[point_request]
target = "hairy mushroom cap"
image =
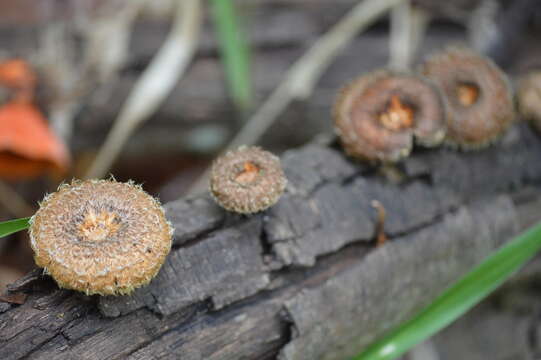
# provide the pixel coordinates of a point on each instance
(100, 236)
(378, 115)
(477, 95)
(247, 180)
(529, 98)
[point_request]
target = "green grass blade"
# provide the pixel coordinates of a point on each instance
(12, 226)
(459, 298)
(235, 54)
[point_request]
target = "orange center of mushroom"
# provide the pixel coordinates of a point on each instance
(98, 227)
(397, 116)
(248, 174)
(467, 94)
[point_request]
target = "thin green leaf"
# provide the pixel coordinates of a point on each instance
(12, 226)
(459, 298)
(235, 54)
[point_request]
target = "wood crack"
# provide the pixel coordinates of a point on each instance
(219, 297)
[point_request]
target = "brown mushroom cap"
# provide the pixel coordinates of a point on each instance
(247, 180)
(378, 115)
(100, 236)
(529, 98)
(477, 95)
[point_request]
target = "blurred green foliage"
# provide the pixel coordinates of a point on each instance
(459, 298)
(12, 226)
(234, 51)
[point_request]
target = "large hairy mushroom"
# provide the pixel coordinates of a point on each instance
(378, 116)
(100, 236)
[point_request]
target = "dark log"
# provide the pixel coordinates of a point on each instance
(303, 279)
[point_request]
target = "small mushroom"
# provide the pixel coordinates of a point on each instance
(529, 98)
(477, 96)
(378, 115)
(100, 236)
(247, 180)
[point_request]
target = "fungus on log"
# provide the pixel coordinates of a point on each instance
(378, 115)
(477, 93)
(261, 287)
(100, 236)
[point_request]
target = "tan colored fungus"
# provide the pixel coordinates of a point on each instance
(247, 180)
(529, 98)
(378, 115)
(100, 236)
(477, 95)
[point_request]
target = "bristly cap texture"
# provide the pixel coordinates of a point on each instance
(100, 236)
(529, 98)
(378, 115)
(247, 180)
(477, 94)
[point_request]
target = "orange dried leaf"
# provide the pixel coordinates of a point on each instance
(16, 73)
(27, 145)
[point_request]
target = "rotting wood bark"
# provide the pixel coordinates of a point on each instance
(302, 280)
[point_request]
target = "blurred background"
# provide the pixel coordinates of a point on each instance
(153, 90)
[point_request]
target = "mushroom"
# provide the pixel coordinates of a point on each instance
(378, 115)
(247, 180)
(529, 98)
(477, 96)
(100, 236)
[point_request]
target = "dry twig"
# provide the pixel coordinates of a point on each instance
(106, 39)
(300, 79)
(154, 85)
(408, 27)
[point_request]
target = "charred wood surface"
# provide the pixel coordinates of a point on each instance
(302, 280)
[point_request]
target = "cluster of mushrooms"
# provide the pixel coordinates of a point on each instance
(457, 97)
(108, 238)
